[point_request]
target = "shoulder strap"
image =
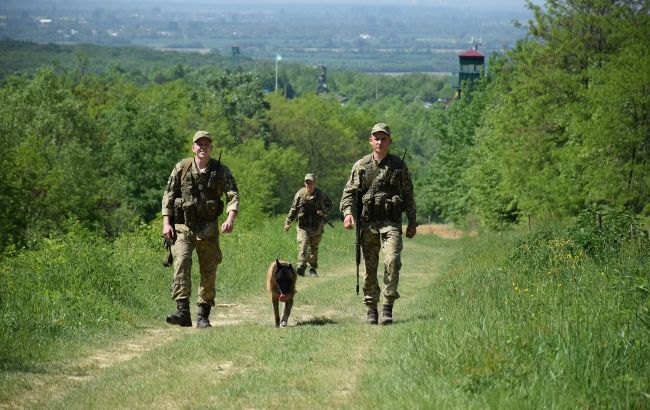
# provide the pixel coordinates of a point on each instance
(370, 175)
(187, 163)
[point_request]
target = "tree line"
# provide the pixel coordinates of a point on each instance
(561, 122)
(557, 125)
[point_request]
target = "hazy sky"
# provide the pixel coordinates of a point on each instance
(497, 4)
(478, 4)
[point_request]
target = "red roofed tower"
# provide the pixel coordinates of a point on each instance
(472, 63)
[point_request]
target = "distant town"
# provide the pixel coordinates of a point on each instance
(366, 38)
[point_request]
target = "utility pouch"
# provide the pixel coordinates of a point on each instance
(381, 199)
(179, 215)
(396, 177)
(191, 213)
(213, 209)
(396, 209)
(388, 208)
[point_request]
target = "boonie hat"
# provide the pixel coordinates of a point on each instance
(380, 127)
(310, 177)
(201, 134)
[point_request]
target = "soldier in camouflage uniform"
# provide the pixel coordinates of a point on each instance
(387, 191)
(190, 207)
(310, 206)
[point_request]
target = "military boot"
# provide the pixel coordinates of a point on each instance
(301, 270)
(372, 315)
(182, 316)
(202, 315)
(387, 314)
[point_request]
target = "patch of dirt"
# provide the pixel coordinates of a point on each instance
(442, 231)
(53, 387)
(130, 349)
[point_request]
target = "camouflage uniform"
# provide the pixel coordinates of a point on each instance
(310, 225)
(388, 191)
(194, 205)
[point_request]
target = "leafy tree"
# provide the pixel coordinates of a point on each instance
(239, 99)
(328, 138)
(617, 150)
(47, 164)
(442, 191)
(264, 176)
(143, 142)
(539, 143)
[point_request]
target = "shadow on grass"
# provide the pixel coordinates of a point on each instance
(317, 321)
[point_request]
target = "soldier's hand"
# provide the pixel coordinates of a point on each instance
(286, 227)
(228, 225)
(348, 222)
(168, 231)
(411, 231)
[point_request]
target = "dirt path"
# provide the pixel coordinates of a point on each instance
(45, 390)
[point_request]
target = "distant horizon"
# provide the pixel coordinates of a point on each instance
(463, 4)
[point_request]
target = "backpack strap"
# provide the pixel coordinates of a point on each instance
(187, 163)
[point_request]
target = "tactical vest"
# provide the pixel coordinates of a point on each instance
(307, 208)
(382, 189)
(200, 195)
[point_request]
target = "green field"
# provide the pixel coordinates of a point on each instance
(487, 321)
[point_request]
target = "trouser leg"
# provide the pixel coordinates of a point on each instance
(314, 242)
(303, 247)
(392, 246)
(209, 255)
(182, 281)
(370, 246)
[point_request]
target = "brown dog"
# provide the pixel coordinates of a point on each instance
(281, 283)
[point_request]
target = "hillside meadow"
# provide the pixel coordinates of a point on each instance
(554, 318)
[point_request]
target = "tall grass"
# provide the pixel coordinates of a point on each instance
(69, 287)
(78, 287)
(544, 320)
(558, 318)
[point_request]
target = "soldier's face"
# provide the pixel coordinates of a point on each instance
(380, 142)
(202, 147)
(310, 185)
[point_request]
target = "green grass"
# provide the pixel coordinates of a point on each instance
(523, 321)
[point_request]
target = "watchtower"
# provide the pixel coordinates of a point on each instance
(472, 63)
(234, 56)
(322, 81)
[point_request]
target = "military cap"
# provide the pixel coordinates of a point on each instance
(310, 177)
(380, 127)
(202, 134)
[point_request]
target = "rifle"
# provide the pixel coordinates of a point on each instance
(358, 204)
(219, 160)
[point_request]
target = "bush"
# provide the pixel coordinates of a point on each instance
(602, 231)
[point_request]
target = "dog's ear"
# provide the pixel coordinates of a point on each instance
(277, 263)
(291, 266)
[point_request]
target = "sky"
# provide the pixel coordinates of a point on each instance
(490, 4)
(478, 4)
